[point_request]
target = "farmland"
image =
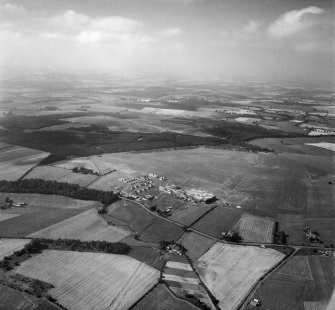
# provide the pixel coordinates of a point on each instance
(15, 300)
(230, 271)
(160, 298)
(196, 245)
(218, 221)
(254, 229)
(16, 161)
(86, 226)
(149, 228)
(304, 282)
(9, 246)
(41, 212)
(119, 281)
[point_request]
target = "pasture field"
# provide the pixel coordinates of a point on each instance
(218, 221)
(303, 282)
(86, 226)
(230, 271)
(146, 254)
(78, 178)
(196, 245)
(294, 228)
(16, 300)
(6, 216)
(48, 173)
(130, 215)
(253, 228)
(53, 173)
(50, 201)
(160, 298)
(189, 213)
(91, 281)
(9, 246)
(34, 218)
(15, 161)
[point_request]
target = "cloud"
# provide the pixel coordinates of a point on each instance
(251, 27)
(293, 21)
(52, 36)
(11, 8)
(170, 32)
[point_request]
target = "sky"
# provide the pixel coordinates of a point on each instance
(255, 39)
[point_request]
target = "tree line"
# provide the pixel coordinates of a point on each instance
(40, 186)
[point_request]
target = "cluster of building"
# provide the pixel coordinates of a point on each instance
(9, 203)
(188, 195)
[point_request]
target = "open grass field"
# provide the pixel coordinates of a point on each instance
(302, 283)
(160, 298)
(253, 228)
(230, 271)
(91, 281)
(11, 299)
(132, 216)
(196, 245)
(9, 246)
(16, 161)
(218, 221)
(86, 226)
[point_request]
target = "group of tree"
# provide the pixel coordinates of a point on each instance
(40, 186)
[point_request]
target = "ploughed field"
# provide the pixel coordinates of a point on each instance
(90, 280)
(230, 271)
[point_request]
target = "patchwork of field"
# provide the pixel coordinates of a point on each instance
(49, 201)
(218, 221)
(15, 161)
(16, 300)
(304, 282)
(160, 298)
(182, 280)
(86, 226)
(253, 228)
(52, 173)
(230, 271)
(40, 213)
(9, 246)
(132, 216)
(196, 245)
(90, 280)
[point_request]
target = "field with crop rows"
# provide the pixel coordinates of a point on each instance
(9, 246)
(16, 161)
(85, 281)
(255, 229)
(230, 271)
(86, 226)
